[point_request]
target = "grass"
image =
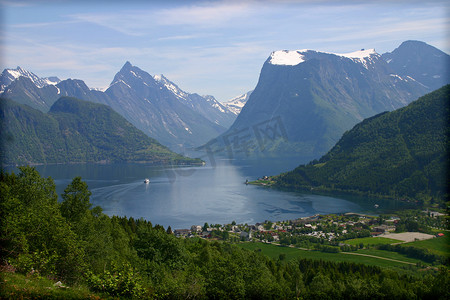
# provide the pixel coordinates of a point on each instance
(439, 245)
(391, 255)
(18, 286)
(371, 241)
(262, 182)
(274, 252)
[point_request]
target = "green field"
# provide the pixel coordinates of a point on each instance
(391, 255)
(439, 245)
(371, 241)
(274, 251)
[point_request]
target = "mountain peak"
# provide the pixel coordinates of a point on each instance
(413, 43)
(132, 77)
(425, 63)
(127, 66)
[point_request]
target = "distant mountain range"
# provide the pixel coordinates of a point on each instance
(305, 99)
(303, 102)
(153, 104)
(399, 154)
(236, 104)
(76, 131)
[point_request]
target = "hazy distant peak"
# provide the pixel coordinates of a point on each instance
(127, 65)
(9, 75)
(236, 104)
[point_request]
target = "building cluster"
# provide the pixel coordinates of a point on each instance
(330, 229)
(327, 227)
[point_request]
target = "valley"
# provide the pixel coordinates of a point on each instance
(332, 172)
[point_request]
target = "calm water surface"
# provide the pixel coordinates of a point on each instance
(214, 193)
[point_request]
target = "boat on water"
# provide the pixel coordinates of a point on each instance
(146, 180)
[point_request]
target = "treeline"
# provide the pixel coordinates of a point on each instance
(122, 257)
(399, 154)
(419, 253)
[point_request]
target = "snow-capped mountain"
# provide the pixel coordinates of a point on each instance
(23, 90)
(236, 104)
(9, 75)
(162, 110)
(305, 100)
(295, 57)
(153, 104)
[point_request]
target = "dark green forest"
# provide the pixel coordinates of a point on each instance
(401, 154)
(76, 131)
(71, 241)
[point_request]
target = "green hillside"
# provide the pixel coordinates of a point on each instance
(76, 131)
(400, 154)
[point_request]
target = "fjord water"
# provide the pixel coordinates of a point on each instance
(215, 193)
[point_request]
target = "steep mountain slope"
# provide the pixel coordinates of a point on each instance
(23, 90)
(76, 131)
(236, 104)
(157, 111)
(401, 153)
(305, 100)
(426, 64)
(207, 106)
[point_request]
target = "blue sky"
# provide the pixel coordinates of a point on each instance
(206, 47)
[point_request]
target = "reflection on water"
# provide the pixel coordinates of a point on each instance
(181, 197)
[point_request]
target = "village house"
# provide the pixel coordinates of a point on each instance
(383, 228)
(182, 232)
(245, 235)
(196, 228)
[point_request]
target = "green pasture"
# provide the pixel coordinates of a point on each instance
(371, 241)
(390, 255)
(274, 251)
(438, 245)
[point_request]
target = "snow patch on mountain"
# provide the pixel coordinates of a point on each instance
(236, 104)
(179, 93)
(362, 56)
(219, 107)
(120, 81)
(287, 58)
(295, 57)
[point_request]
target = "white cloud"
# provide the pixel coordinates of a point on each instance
(206, 14)
(179, 37)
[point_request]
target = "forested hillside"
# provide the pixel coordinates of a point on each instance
(76, 131)
(398, 154)
(76, 243)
